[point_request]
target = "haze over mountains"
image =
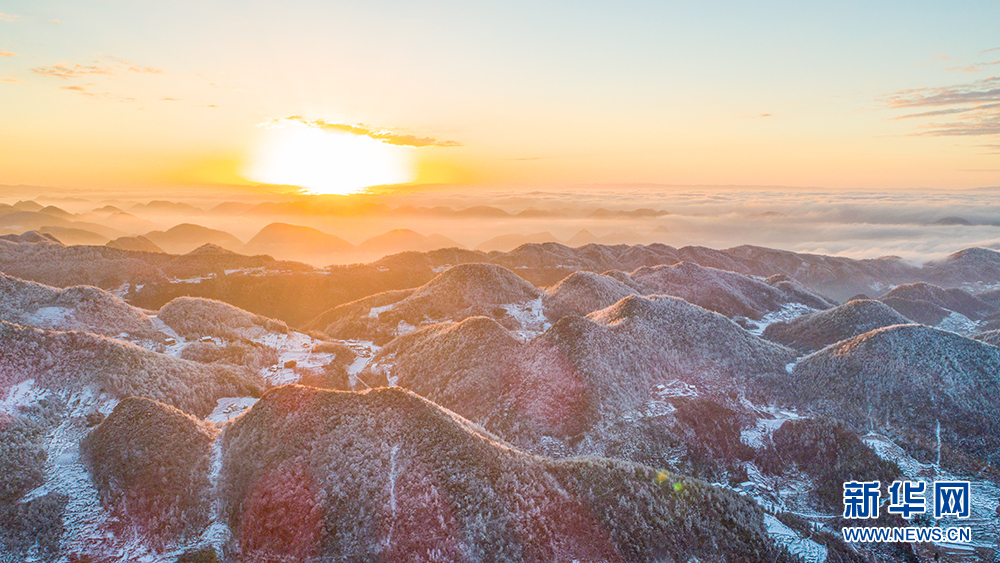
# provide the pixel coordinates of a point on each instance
(181, 393)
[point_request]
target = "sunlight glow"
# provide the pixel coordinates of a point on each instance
(325, 162)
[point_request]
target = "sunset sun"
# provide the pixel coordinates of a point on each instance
(325, 162)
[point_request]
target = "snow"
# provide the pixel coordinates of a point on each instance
(22, 395)
(958, 323)
(196, 279)
(983, 494)
(85, 520)
(754, 437)
(228, 408)
(178, 341)
(376, 311)
(392, 491)
(807, 549)
(258, 271)
(787, 313)
(49, 316)
(296, 347)
(530, 316)
(218, 532)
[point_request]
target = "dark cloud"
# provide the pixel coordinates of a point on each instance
(975, 107)
(379, 135)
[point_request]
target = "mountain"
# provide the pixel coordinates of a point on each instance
(581, 370)
(31, 237)
(136, 243)
(581, 238)
(21, 221)
(150, 465)
(231, 208)
(991, 337)
(69, 235)
(28, 206)
(955, 300)
(966, 266)
(459, 292)
(923, 312)
(906, 379)
(38, 257)
(57, 212)
(282, 238)
(724, 292)
(70, 362)
(509, 242)
(401, 240)
(951, 221)
(814, 331)
(582, 293)
(194, 317)
(186, 237)
(166, 207)
(387, 475)
(835, 276)
(81, 308)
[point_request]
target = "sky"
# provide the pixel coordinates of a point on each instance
(335, 96)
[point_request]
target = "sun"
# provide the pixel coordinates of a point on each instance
(327, 162)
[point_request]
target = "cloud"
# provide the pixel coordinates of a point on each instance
(67, 71)
(377, 134)
(7, 54)
(9, 80)
(975, 107)
(975, 67)
(84, 91)
(758, 116)
(8, 17)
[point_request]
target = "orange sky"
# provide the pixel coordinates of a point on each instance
(120, 94)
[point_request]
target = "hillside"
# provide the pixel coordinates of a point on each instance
(186, 237)
(150, 464)
(724, 292)
(71, 362)
(138, 243)
(80, 308)
(582, 293)
(460, 292)
(282, 240)
(40, 258)
(814, 331)
(387, 475)
(194, 317)
(906, 379)
(581, 370)
(955, 300)
(403, 240)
